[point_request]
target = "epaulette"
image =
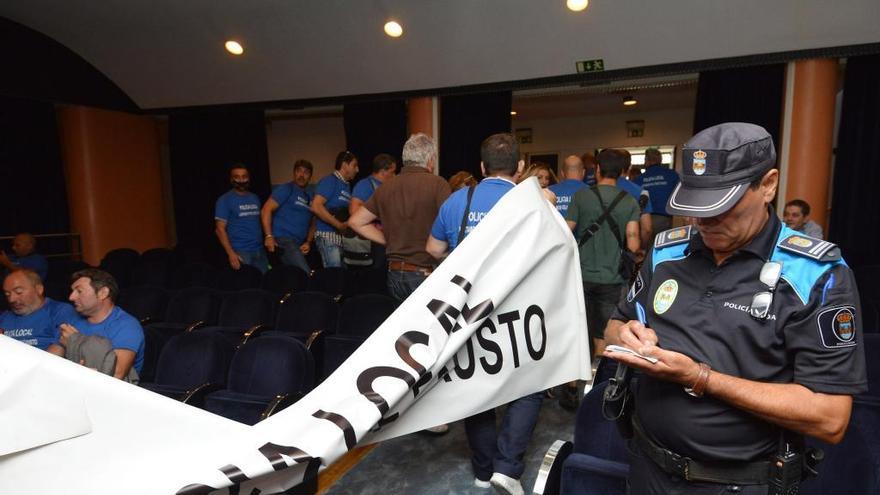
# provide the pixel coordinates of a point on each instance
(674, 236)
(810, 247)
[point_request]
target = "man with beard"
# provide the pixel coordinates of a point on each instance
(287, 218)
(237, 222)
(32, 318)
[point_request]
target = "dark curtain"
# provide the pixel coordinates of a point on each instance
(747, 94)
(855, 223)
(34, 195)
(372, 128)
(465, 121)
(202, 145)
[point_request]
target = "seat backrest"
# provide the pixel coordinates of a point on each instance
(119, 263)
(361, 315)
(365, 281)
(272, 365)
(306, 312)
(193, 304)
(246, 277)
(122, 255)
(246, 308)
(144, 302)
(283, 279)
(161, 255)
(60, 270)
(155, 273)
(595, 435)
(330, 281)
(194, 275)
(193, 358)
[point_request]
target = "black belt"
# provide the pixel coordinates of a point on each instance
(738, 473)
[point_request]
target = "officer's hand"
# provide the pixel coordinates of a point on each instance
(635, 335)
(671, 366)
(270, 244)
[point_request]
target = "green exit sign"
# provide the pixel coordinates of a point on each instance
(597, 65)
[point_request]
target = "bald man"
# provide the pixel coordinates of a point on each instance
(33, 318)
(573, 181)
(23, 247)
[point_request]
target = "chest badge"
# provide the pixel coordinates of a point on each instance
(665, 296)
(699, 165)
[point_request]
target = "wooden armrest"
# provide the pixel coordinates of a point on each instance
(196, 396)
(279, 403)
(312, 337)
(249, 332)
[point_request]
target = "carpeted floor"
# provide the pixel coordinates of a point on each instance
(429, 465)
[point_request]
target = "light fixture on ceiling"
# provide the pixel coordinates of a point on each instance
(513, 112)
(393, 29)
(577, 5)
(629, 101)
(234, 47)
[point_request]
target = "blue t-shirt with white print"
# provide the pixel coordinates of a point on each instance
(564, 191)
(659, 181)
(39, 328)
(448, 221)
(365, 188)
(337, 192)
(241, 212)
(291, 219)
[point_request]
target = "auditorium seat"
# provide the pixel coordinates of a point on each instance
(189, 308)
(119, 263)
(284, 279)
(330, 281)
(155, 273)
(146, 303)
(244, 312)
(267, 374)
(365, 281)
(246, 277)
(59, 291)
(359, 317)
(160, 255)
(195, 274)
(60, 270)
(191, 365)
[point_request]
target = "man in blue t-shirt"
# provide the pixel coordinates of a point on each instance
(641, 196)
(287, 218)
(573, 181)
(497, 456)
(23, 247)
(659, 181)
(237, 222)
(330, 205)
(589, 161)
(32, 318)
(93, 295)
(384, 168)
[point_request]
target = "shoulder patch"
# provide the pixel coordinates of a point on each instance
(810, 247)
(672, 237)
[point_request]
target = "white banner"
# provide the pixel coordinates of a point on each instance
(502, 317)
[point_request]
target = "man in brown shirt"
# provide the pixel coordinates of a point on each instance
(406, 205)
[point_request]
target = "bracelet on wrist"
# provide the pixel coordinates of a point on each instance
(699, 386)
(269, 236)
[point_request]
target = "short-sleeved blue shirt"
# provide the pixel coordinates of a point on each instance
(39, 328)
(564, 191)
(337, 192)
(291, 219)
(365, 188)
(636, 192)
(121, 329)
(241, 212)
(33, 261)
(659, 181)
(448, 221)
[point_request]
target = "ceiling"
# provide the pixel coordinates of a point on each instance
(169, 53)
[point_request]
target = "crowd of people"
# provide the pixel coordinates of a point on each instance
(717, 256)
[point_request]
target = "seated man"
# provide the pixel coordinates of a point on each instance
(93, 294)
(797, 216)
(32, 318)
(23, 246)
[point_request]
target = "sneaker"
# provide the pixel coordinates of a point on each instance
(438, 430)
(506, 485)
(482, 484)
(568, 398)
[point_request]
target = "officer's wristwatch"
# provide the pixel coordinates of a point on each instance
(699, 386)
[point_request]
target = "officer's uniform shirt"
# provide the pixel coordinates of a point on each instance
(564, 191)
(812, 336)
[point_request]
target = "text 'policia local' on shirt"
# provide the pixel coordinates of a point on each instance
(659, 181)
(241, 212)
(564, 191)
(337, 192)
(291, 220)
(39, 328)
(448, 221)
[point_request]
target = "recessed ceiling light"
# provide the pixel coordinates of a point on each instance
(393, 29)
(629, 101)
(234, 47)
(513, 112)
(577, 5)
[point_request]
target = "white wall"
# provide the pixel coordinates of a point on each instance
(576, 135)
(317, 139)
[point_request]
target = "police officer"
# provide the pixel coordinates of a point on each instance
(755, 329)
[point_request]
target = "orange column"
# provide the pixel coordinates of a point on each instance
(808, 174)
(114, 181)
(420, 116)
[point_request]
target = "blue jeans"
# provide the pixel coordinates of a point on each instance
(503, 452)
(256, 258)
(292, 255)
(401, 284)
(331, 253)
